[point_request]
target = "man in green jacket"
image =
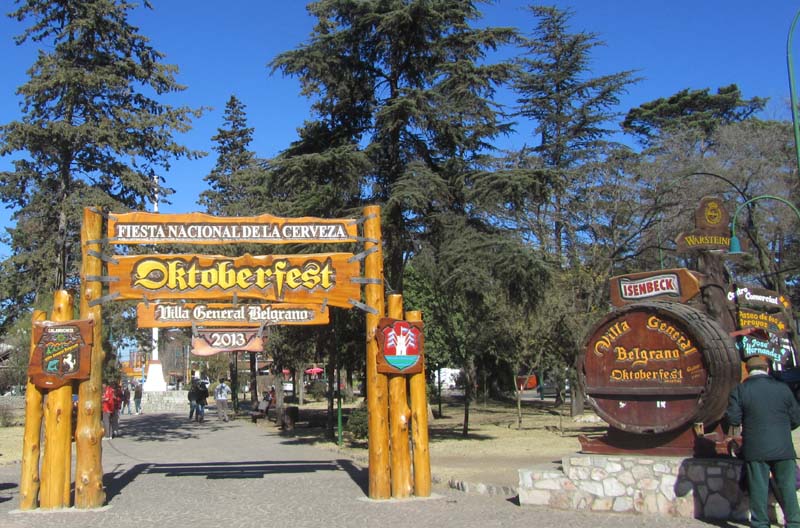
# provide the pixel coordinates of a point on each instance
(767, 411)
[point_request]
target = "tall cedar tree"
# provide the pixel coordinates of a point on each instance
(407, 81)
(92, 134)
(572, 112)
(571, 109)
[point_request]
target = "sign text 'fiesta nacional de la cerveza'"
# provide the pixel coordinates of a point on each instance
(199, 228)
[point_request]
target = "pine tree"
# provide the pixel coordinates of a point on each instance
(92, 133)
(236, 164)
(690, 109)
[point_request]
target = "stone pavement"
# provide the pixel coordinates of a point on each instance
(167, 471)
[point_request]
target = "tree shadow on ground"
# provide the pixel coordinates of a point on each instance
(162, 427)
(6, 486)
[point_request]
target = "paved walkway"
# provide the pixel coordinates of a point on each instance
(167, 471)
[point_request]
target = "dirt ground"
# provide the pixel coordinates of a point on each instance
(496, 446)
(492, 452)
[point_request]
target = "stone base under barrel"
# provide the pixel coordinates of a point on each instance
(703, 488)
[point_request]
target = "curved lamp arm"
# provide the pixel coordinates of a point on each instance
(735, 246)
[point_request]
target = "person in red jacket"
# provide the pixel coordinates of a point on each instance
(117, 409)
(109, 406)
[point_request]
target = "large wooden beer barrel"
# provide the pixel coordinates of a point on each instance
(658, 367)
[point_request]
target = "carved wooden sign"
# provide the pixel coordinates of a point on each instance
(199, 228)
(711, 232)
(757, 344)
(400, 346)
(210, 341)
(175, 315)
(772, 323)
(759, 298)
(62, 353)
(679, 285)
(644, 370)
(711, 215)
(312, 278)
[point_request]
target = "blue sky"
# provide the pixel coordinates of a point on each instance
(222, 49)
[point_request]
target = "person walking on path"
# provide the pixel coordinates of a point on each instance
(202, 401)
(192, 399)
(108, 409)
(137, 397)
(221, 394)
(767, 411)
(126, 399)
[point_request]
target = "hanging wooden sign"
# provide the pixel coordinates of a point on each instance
(679, 285)
(176, 315)
(711, 232)
(199, 228)
(752, 342)
(711, 215)
(759, 298)
(773, 323)
(312, 278)
(62, 353)
(208, 342)
(400, 346)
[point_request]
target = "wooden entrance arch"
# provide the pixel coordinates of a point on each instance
(328, 279)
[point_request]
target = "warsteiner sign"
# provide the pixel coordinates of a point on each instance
(313, 278)
(172, 315)
(62, 353)
(199, 228)
(711, 232)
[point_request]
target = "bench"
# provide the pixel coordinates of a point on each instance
(260, 412)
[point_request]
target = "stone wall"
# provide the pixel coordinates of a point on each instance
(174, 400)
(681, 487)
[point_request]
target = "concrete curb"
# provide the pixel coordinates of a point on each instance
(492, 490)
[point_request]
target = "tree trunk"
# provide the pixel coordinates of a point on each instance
(330, 373)
(253, 380)
(715, 290)
(234, 368)
(469, 389)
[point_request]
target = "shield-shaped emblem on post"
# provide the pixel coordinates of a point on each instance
(400, 345)
(62, 352)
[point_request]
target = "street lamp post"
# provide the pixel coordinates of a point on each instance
(792, 90)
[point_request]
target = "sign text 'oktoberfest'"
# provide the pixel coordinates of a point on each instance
(314, 278)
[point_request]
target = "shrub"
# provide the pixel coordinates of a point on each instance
(358, 422)
(318, 389)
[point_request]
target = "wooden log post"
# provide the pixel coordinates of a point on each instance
(31, 440)
(57, 460)
(377, 384)
(419, 424)
(399, 417)
(89, 492)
